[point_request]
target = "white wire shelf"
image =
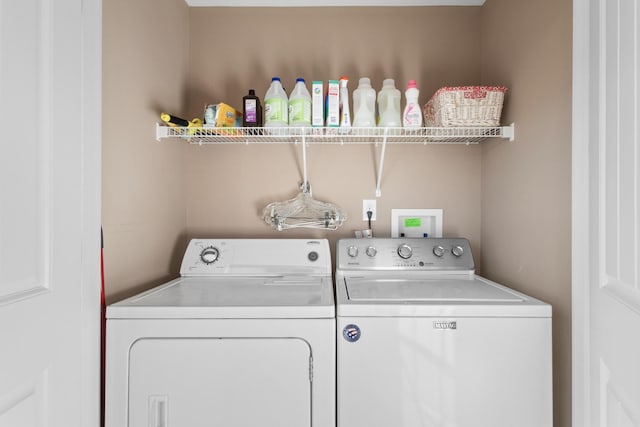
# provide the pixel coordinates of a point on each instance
(324, 135)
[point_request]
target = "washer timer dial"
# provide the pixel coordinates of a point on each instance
(352, 251)
(405, 251)
(209, 255)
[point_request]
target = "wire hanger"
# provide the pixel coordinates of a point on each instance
(303, 211)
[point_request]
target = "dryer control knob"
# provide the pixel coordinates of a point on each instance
(209, 255)
(371, 251)
(438, 251)
(405, 251)
(457, 251)
(352, 251)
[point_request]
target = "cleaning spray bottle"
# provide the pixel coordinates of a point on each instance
(345, 117)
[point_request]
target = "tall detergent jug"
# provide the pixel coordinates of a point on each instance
(412, 115)
(276, 108)
(300, 105)
(389, 104)
(364, 104)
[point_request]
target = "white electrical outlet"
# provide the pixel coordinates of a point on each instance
(368, 205)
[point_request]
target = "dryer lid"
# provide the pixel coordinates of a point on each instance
(282, 297)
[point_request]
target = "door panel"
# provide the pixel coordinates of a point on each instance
(24, 173)
(202, 382)
(618, 146)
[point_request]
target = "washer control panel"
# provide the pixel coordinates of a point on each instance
(434, 254)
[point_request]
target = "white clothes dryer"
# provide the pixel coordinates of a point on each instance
(245, 337)
(425, 342)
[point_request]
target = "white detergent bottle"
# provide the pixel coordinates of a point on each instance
(364, 104)
(412, 115)
(300, 105)
(276, 105)
(389, 104)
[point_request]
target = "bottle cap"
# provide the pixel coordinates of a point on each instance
(412, 84)
(364, 81)
(252, 92)
(300, 79)
(275, 78)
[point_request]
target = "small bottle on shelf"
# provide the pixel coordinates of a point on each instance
(412, 116)
(251, 110)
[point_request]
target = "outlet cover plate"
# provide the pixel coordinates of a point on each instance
(368, 205)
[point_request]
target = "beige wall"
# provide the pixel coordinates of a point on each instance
(512, 200)
(144, 68)
(235, 49)
(526, 185)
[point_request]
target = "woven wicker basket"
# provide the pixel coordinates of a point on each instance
(465, 106)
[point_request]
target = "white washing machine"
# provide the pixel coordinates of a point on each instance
(245, 337)
(424, 342)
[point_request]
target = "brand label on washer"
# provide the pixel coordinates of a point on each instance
(444, 324)
(351, 333)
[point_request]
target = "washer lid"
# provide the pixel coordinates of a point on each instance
(280, 297)
(428, 289)
(460, 295)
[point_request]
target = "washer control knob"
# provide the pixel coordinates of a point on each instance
(209, 255)
(352, 251)
(457, 251)
(438, 251)
(371, 251)
(405, 251)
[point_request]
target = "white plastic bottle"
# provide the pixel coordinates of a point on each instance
(276, 108)
(345, 116)
(364, 104)
(389, 104)
(412, 115)
(300, 105)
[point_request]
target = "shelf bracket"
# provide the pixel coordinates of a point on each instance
(509, 132)
(382, 153)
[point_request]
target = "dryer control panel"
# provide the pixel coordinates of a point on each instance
(257, 257)
(419, 254)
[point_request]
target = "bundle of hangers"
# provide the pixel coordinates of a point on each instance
(303, 211)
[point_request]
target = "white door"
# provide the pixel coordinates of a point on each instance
(606, 213)
(49, 212)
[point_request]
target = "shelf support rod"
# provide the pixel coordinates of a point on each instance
(382, 153)
(305, 183)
